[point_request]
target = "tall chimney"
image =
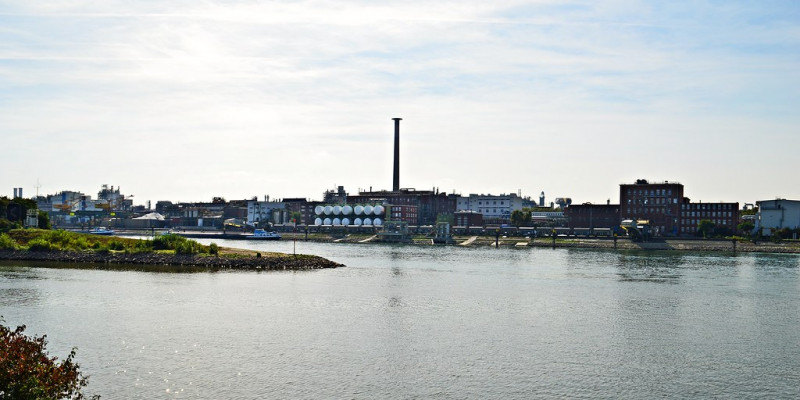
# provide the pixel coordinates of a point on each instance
(396, 183)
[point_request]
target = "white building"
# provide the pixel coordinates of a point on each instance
(777, 214)
(492, 207)
(261, 211)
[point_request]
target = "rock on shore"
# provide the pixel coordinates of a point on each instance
(301, 262)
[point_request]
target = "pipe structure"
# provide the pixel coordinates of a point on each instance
(396, 182)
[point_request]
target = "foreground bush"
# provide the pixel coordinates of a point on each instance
(27, 372)
(7, 243)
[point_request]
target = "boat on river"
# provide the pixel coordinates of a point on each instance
(260, 234)
(101, 231)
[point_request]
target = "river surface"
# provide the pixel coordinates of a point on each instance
(424, 322)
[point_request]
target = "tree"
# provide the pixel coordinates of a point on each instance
(705, 227)
(43, 220)
(520, 218)
(746, 227)
(28, 372)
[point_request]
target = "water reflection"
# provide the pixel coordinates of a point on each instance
(19, 296)
(636, 266)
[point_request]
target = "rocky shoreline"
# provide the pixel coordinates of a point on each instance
(245, 262)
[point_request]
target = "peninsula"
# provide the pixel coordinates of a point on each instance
(164, 250)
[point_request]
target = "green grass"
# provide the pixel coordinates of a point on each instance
(47, 240)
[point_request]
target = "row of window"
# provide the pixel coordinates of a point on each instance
(690, 224)
(710, 206)
(653, 200)
(706, 214)
(651, 192)
(649, 211)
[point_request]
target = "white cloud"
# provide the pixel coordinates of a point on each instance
(559, 94)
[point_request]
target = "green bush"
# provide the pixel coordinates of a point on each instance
(116, 245)
(213, 249)
(180, 244)
(40, 244)
(6, 225)
(188, 247)
(7, 243)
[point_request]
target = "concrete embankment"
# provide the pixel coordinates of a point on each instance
(673, 244)
(683, 244)
(286, 262)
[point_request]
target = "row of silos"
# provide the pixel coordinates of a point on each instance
(359, 210)
(346, 221)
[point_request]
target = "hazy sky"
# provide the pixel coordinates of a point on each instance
(185, 100)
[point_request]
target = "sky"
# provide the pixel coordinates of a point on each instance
(186, 100)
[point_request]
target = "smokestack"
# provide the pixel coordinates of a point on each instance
(396, 183)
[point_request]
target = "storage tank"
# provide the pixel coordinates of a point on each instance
(347, 210)
(358, 222)
(359, 210)
(318, 210)
(367, 210)
(327, 221)
(377, 222)
(337, 221)
(337, 210)
(328, 210)
(377, 210)
(367, 221)
(318, 221)
(345, 221)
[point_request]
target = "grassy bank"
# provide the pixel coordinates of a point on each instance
(40, 240)
(74, 247)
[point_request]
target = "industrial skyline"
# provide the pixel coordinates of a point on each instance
(186, 101)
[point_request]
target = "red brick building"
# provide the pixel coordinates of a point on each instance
(468, 218)
(725, 216)
(429, 203)
(592, 215)
(404, 213)
(658, 202)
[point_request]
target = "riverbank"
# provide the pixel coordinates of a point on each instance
(164, 250)
(228, 259)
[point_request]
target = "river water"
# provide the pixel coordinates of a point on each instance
(405, 322)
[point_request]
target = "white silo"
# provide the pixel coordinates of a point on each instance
(347, 210)
(327, 221)
(377, 222)
(337, 210)
(328, 210)
(318, 221)
(337, 221)
(367, 221)
(377, 210)
(358, 222)
(345, 221)
(359, 210)
(318, 210)
(367, 210)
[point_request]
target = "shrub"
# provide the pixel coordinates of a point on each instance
(7, 243)
(116, 245)
(40, 244)
(28, 372)
(213, 249)
(180, 244)
(6, 225)
(188, 247)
